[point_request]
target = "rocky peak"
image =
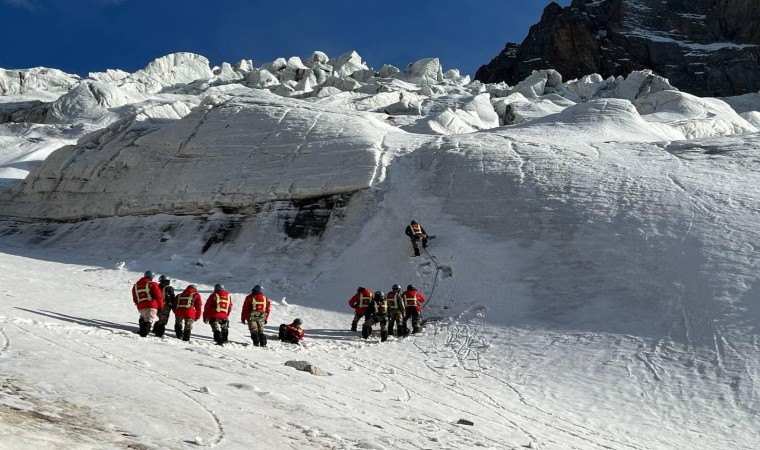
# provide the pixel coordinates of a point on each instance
(704, 47)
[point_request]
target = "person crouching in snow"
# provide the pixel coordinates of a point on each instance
(256, 314)
(148, 298)
(217, 313)
(186, 311)
(292, 333)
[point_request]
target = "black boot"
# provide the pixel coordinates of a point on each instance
(262, 339)
(255, 339)
(218, 338)
(281, 333)
(178, 331)
(383, 336)
(353, 326)
(366, 331)
(186, 335)
(416, 252)
(225, 334)
(159, 329)
(144, 328)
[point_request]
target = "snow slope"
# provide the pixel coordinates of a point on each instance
(592, 282)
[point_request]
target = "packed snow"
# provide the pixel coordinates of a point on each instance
(592, 282)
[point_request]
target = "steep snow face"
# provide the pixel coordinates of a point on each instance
(227, 153)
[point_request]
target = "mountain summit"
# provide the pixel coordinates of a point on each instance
(705, 48)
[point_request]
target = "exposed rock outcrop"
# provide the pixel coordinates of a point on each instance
(706, 48)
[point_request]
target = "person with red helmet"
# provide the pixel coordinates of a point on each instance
(148, 299)
(413, 306)
(256, 314)
(217, 313)
(417, 235)
(187, 309)
(360, 302)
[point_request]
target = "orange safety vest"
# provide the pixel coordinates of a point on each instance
(394, 302)
(142, 293)
(364, 300)
(410, 300)
(223, 304)
(416, 229)
(185, 301)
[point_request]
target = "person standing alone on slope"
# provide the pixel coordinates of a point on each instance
(148, 298)
(256, 314)
(417, 235)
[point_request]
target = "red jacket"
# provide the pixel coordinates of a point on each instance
(147, 294)
(361, 301)
(295, 331)
(412, 299)
(218, 306)
(256, 303)
(188, 304)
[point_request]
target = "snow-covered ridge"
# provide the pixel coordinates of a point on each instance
(261, 131)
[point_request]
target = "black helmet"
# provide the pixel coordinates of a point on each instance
(378, 293)
(149, 274)
(297, 322)
(396, 288)
(164, 279)
(410, 288)
(218, 287)
(257, 289)
(359, 289)
(191, 286)
(414, 222)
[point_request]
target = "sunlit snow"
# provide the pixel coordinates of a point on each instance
(592, 282)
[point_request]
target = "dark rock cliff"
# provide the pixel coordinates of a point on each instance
(704, 47)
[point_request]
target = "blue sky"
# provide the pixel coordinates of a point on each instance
(81, 36)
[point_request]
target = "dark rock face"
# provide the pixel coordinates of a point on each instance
(704, 47)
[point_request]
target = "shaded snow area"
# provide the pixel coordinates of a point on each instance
(592, 281)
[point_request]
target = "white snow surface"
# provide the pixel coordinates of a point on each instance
(592, 283)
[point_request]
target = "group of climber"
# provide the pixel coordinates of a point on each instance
(394, 309)
(152, 299)
(159, 300)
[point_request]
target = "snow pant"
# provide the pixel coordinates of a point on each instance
(163, 318)
(256, 327)
(412, 313)
(416, 241)
(183, 326)
(355, 322)
(395, 317)
(285, 336)
(147, 315)
(371, 320)
(221, 329)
